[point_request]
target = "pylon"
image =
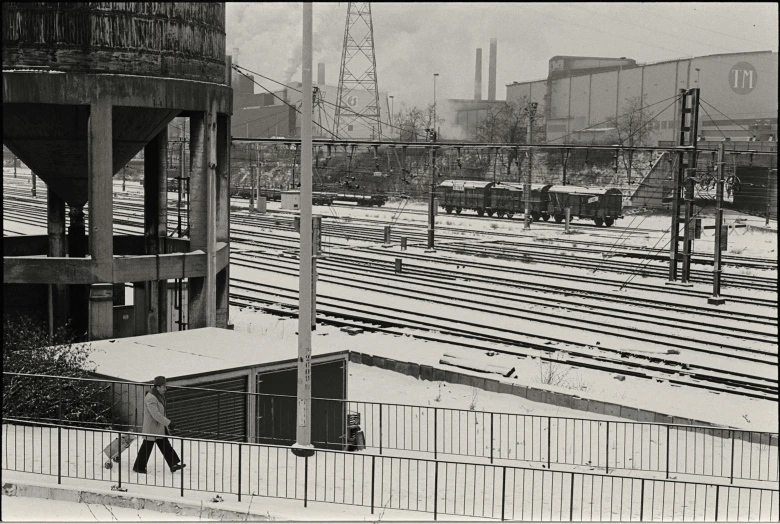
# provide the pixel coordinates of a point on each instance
(355, 113)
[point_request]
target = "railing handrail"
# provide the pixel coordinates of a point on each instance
(551, 417)
(371, 455)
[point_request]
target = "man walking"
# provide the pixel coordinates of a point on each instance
(155, 426)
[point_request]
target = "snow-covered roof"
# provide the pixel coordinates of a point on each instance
(577, 190)
(186, 353)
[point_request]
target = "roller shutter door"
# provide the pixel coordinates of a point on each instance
(217, 415)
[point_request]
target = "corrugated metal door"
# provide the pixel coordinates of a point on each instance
(276, 407)
(210, 414)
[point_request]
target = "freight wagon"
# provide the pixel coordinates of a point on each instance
(601, 205)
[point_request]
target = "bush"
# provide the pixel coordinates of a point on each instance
(28, 348)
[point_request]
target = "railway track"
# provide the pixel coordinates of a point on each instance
(379, 318)
(20, 210)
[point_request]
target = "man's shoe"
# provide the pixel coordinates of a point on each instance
(140, 471)
(177, 467)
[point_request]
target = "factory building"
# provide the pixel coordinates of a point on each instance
(580, 94)
(265, 115)
(739, 93)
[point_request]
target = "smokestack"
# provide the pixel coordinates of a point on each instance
(478, 77)
(235, 56)
(492, 70)
(321, 74)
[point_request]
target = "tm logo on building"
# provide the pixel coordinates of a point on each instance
(743, 78)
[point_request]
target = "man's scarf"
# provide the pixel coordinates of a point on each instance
(160, 397)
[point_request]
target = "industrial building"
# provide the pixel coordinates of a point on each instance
(269, 114)
(580, 95)
(80, 99)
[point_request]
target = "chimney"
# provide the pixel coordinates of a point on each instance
(478, 77)
(321, 74)
(235, 56)
(492, 70)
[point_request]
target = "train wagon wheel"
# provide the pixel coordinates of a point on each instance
(490, 212)
(598, 221)
(559, 219)
(458, 210)
(609, 221)
(500, 213)
(509, 214)
(536, 215)
(545, 217)
(448, 209)
(480, 212)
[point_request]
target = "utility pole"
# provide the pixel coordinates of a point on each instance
(124, 178)
(303, 446)
(689, 121)
(34, 191)
(716, 299)
(432, 203)
(531, 111)
(14, 166)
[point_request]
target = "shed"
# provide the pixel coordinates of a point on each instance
(225, 385)
(291, 199)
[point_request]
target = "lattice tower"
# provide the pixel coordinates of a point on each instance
(358, 93)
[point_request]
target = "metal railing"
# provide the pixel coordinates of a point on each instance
(381, 482)
(668, 449)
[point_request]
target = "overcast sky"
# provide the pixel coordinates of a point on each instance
(415, 40)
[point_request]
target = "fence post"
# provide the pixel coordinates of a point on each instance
(59, 398)
(642, 502)
(219, 409)
(549, 442)
(435, 490)
(305, 481)
(503, 492)
(717, 500)
(373, 481)
(239, 472)
(435, 432)
(181, 450)
(380, 429)
(119, 443)
(606, 464)
(732, 456)
(491, 439)
(667, 451)
(59, 455)
(571, 499)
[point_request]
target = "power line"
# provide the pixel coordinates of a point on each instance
(260, 118)
(278, 98)
(325, 101)
(721, 112)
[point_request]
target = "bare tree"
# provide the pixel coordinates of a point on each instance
(632, 128)
(412, 123)
(508, 124)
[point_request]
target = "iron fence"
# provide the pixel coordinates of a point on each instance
(668, 449)
(382, 482)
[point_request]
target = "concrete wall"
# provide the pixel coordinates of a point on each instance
(489, 383)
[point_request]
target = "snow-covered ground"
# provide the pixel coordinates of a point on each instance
(29, 509)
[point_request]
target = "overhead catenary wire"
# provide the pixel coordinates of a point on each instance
(343, 108)
(278, 98)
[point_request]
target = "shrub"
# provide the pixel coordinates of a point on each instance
(28, 348)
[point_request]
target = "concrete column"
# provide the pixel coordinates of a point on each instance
(58, 294)
(78, 293)
(203, 154)
(155, 228)
(223, 215)
(101, 234)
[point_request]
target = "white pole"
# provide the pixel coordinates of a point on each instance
(302, 446)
